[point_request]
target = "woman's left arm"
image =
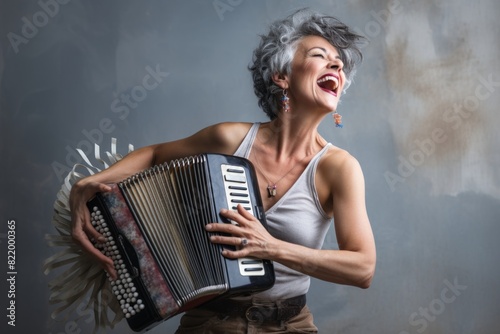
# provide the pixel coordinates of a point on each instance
(352, 264)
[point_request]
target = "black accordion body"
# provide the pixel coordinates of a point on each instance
(154, 225)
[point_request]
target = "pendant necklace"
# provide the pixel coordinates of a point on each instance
(272, 187)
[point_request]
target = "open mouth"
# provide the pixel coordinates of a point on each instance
(329, 83)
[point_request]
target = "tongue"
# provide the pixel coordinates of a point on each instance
(326, 85)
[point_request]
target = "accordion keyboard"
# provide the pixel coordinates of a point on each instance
(123, 287)
(237, 192)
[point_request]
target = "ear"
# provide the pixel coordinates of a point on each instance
(281, 80)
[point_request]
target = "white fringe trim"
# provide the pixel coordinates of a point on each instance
(82, 287)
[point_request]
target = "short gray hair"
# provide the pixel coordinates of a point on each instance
(276, 51)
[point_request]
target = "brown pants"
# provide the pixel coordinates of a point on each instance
(199, 321)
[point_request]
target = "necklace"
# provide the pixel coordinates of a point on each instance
(272, 187)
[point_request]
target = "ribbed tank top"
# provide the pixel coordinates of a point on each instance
(297, 218)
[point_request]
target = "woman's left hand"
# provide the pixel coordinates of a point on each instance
(259, 243)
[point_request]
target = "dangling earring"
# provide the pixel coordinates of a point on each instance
(285, 104)
(338, 120)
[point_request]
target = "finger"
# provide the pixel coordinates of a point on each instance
(105, 262)
(102, 187)
(82, 222)
(234, 254)
(223, 228)
(96, 187)
(92, 232)
(226, 240)
(234, 216)
(83, 237)
(244, 212)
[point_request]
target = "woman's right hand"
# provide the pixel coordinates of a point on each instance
(82, 230)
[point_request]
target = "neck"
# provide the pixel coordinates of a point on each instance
(290, 137)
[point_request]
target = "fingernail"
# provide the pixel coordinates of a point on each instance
(208, 227)
(101, 239)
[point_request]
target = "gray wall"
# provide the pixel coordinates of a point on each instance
(420, 118)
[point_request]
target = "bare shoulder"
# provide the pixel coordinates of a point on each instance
(218, 138)
(339, 168)
(228, 135)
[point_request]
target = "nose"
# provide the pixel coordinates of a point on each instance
(336, 65)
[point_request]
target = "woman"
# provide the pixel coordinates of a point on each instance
(300, 69)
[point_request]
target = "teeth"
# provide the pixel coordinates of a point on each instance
(330, 78)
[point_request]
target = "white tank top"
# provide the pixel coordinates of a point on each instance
(297, 218)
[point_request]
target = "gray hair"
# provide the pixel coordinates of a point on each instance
(276, 51)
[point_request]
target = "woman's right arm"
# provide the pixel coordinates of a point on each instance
(83, 190)
(221, 138)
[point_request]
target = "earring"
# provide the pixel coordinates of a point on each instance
(338, 120)
(285, 104)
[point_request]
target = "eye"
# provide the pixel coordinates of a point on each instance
(320, 55)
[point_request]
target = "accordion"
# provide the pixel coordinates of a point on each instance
(154, 226)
